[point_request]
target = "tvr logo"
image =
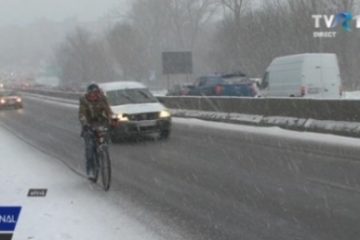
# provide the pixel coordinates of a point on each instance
(345, 19)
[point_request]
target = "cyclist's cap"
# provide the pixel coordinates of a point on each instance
(93, 87)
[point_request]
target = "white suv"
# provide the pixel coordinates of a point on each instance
(135, 110)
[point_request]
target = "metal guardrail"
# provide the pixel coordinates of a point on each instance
(320, 109)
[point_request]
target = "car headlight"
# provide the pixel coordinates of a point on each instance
(2, 101)
(18, 100)
(121, 118)
(165, 114)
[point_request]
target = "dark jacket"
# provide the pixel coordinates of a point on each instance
(94, 112)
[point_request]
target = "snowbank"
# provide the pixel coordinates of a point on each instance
(273, 132)
(324, 126)
(73, 207)
(352, 95)
(159, 93)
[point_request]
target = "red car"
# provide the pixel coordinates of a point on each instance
(10, 99)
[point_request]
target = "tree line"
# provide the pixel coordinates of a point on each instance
(223, 35)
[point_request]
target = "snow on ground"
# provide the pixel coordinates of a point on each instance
(272, 131)
(302, 124)
(352, 95)
(159, 93)
(73, 207)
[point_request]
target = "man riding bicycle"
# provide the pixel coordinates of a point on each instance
(94, 109)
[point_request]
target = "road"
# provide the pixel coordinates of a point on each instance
(217, 183)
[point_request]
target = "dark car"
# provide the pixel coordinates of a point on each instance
(224, 85)
(10, 99)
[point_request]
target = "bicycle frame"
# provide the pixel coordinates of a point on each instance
(101, 159)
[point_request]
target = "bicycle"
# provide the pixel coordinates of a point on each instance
(101, 156)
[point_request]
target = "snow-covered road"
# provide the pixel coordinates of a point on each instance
(210, 180)
(73, 208)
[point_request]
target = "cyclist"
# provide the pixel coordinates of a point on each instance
(94, 109)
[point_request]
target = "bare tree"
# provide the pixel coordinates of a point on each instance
(250, 38)
(246, 38)
(81, 60)
(188, 18)
(168, 25)
(129, 50)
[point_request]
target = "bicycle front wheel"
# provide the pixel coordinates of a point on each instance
(105, 165)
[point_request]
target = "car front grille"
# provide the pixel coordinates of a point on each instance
(143, 116)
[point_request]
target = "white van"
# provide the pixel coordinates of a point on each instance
(312, 75)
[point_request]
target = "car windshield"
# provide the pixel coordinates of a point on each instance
(130, 96)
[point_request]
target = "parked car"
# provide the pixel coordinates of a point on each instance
(224, 85)
(314, 75)
(10, 99)
(136, 111)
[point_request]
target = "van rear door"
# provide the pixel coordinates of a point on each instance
(313, 78)
(322, 77)
(331, 77)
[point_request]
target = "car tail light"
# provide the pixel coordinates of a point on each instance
(253, 90)
(303, 91)
(219, 90)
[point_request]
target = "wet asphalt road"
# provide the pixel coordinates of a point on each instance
(217, 184)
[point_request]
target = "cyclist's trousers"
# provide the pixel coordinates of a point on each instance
(89, 150)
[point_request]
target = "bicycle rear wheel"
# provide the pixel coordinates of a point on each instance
(105, 166)
(96, 168)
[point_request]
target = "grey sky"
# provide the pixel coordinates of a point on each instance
(27, 11)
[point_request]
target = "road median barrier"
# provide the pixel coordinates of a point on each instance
(341, 117)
